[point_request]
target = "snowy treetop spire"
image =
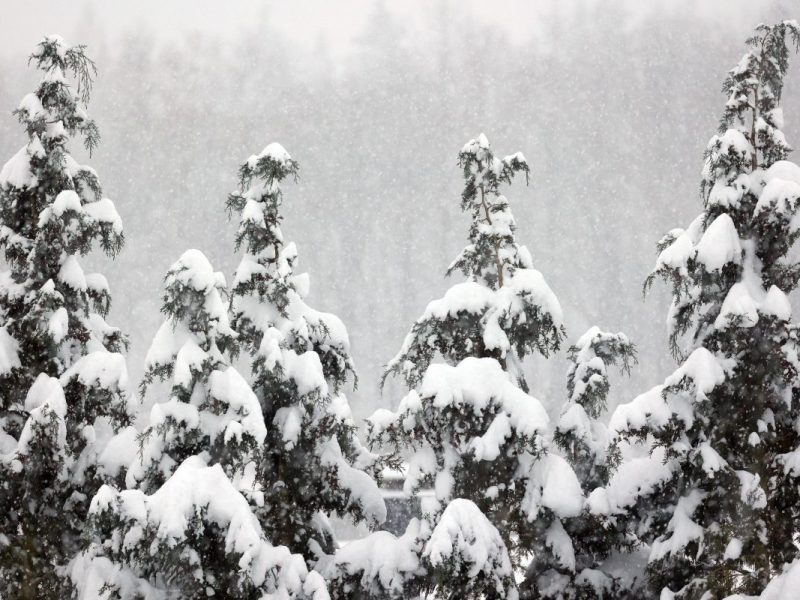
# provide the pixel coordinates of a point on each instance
(312, 462)
(580, 433)
(493, 252)
(587, 377)
(211, 408)
(734, 238)
(51, 212)
(259, 199)
(754, 88)
(267, 296)
(505, 310)
(56, 58)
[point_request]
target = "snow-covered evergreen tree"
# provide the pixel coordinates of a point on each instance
(469, 428)
(62, 380)
(583, 439)
(186, 526)
(580, 432)
(381, 566)
(211, 409)
(312, 463)
(505, 310)
(463, 556)
(718, 501)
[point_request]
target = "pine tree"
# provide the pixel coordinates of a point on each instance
(471, 430)
(187, 526)
(312, 463)
(721, 512)
(62, 380)
(583, 438)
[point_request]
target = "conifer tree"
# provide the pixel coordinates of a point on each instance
(580, 432)
(463, 556)
(505, 310)
(187, 526)
(721, 514)
(211, 409)
(583, 439)
(469, 428)
(62, 380)
(312, 463)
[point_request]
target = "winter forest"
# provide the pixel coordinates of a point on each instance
(400, 300)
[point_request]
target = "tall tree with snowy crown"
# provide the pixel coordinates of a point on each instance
(312, 463)
(721, 510)
(469, 428)
(62, 380)
(505, 310)
(186, 526)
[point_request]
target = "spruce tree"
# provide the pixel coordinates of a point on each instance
(187, 526)
(312, 464)
(469, 428)
(722, 513)
(583, 439)
(62, 380)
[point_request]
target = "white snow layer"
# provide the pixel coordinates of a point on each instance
(9, 352)
(45, 401)
(720, 244)
(551, 483)
(381, 560)
(465, 536)
(196, 487)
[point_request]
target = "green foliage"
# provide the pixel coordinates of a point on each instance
(53, 316)
(725, 420)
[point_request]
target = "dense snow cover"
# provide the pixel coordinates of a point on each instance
(693, 380)
(47, 408)
(719, 245)
(498, 312)
(17, 171)
(210, 400)
(169, 517)
(9, 352)
(476, 388)
(101, 369)
(551, 483)
(635, 477)
(466, 544)
(380, 562)
(681, 528)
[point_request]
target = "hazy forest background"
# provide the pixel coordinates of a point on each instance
(612, 104)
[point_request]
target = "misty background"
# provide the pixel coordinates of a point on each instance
(612, 103)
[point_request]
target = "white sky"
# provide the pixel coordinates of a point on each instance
(338, 22)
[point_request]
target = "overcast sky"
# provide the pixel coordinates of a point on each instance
(337, 22)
